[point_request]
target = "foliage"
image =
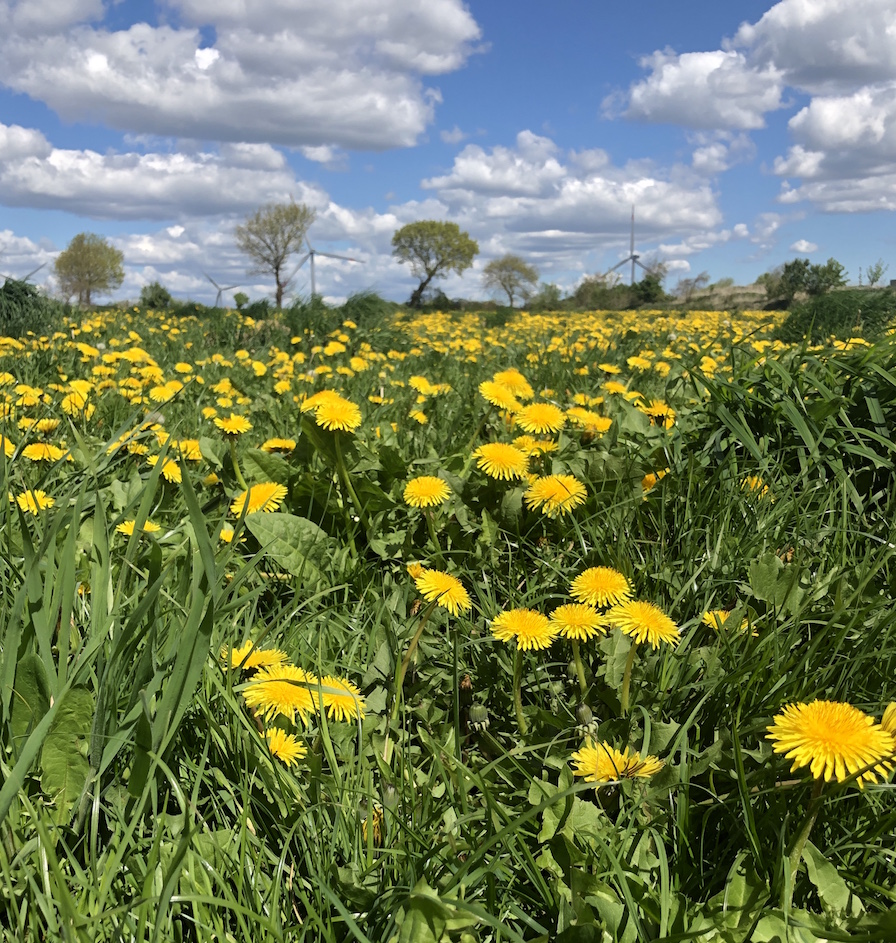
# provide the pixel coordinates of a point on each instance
(24, 310)
(842, 314)
(510, 274)
(875, 272)
(549, 297)
(240, 299)
(270, 236)
(720, 470)
(433, 248)
(687, 287)
(784, 283)
(89, 265)
(823, 278)
(155, 296)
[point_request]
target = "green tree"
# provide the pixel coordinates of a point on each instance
(271, 235)
(822, 278)
(510, 274)
(433, 248)
(875, 273)
(88, 266)
(155, 296)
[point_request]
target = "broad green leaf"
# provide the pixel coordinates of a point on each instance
(297, 544)
(832, 889)
(63, 758)
(259, 466)
(764, 572)
(30, 698)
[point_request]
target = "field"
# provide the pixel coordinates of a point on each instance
(442, 628)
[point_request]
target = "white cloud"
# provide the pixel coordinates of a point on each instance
(718, 89)
(345, 73)
(719, 151)
(803, 245)
(454, 136)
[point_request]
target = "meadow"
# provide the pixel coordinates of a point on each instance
(447, 627)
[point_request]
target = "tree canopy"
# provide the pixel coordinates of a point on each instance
(88, 266)
(270, 235)
(510, 274)
(433, 248)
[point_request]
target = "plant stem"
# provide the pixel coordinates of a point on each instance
(433, 536)
(236, 465)
(580, 668)
(627, 677)
(517, 694)
(799, 843)
(345, 480)
(402, 671)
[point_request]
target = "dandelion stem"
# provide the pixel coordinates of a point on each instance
(433, 536)
(517, 692)
(236, 465)
(799, 843)
(580, 668)
(346, 481)
(402, 671)
(627, 677)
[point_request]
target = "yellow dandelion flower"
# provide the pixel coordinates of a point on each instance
(33, 502)
(754, 485)
(502, 461)
(499, 395)
(43, 452)
(341, 699)
(47, 426)
(338, 414)
(127, 527)
(556, 494)
(718, 619)
(249, 658)
(529, 629)
(888, 721)
(170, 469)
(514, 381)
(189, 449)
(644, 622)
(648, 482)
(591, 422)
(601, 586)
(426, 491)
(418, 416)
(233, 424)
(282, 689)
(444, 589)
(578, 621)
(278, 445)
(415, 569)
(603, 763)
(539, 418)
(267, 497)
(285, 746)
(660, 413)
(833, 739)
(9, 448)
(610, 368)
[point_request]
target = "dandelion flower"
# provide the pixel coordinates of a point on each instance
(33, 502)
(499, 395)
(43, 452)
(539, 418)
(833, 739)
(282, 689)
(341, 699)
(285, 746)
(426, 491)
(514, 381)
(267, 497)
(556, 494)
(415, 569)
(718, 619)
(649, 481)
(532, 446)
(233, 425)
(443, 589)
(278, 445)
(9, 448)
(502, 461)
(336, 413)
(660, 413)
(644, 622)
(170, 469)
(249, 658)
(127, 527)
(601, 586)
(528, 628)
(602, 763)
(888, 721)
(578, 621)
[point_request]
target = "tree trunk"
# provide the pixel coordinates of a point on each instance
(417, 296)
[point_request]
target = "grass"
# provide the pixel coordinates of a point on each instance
(139, 798)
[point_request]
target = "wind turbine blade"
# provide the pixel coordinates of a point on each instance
(332, 255)
(34, 271)
(643, 266)
(619, 264)
(211, 279)
(228, 287)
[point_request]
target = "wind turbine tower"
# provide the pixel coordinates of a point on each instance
(632, 256)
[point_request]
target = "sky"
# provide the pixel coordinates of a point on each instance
(743, 134)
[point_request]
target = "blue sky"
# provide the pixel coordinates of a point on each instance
(745, 133)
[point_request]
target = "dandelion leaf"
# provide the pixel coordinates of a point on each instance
(30, 698)
(64, 754)
(295, 543)
(832, 890)
(261, 466)
(774, 583)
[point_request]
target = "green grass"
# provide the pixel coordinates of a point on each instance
(139, 800)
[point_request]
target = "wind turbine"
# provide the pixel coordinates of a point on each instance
(632, 257)
(220, 289)
(310, 254)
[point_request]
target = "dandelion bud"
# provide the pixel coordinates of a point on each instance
(479, 717)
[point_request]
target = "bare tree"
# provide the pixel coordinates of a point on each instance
(271, 235)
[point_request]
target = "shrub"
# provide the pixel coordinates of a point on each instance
(24, 309)
(156, 297)
(841, 314)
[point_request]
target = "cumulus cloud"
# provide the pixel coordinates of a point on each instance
(454, 136)
(803, 245)
(347, 73)
(717, 152)
(718, 89)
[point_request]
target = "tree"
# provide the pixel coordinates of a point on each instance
(875, 272)
(688, 287)
(510, 274)
(271, 235)
(822, 278)
(433, 248)
(155, 296)
(89, 265)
